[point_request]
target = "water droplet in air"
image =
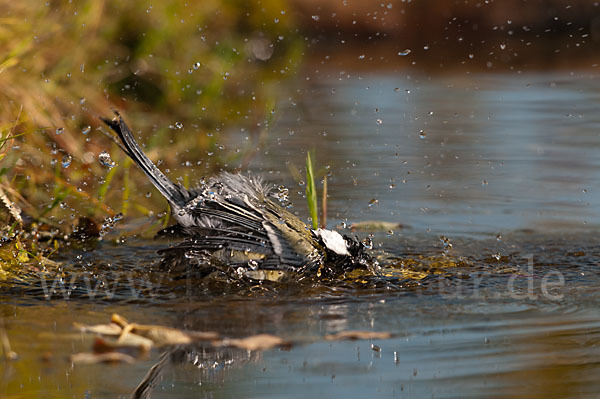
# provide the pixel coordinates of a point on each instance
(148, 194)
(86, 129)
(283, 195)
(405, 52)
(446, 242)
(66, 161)
(105, 160)
(59, 130)
(197, 65)
(422, 134)
(179, 125)
(502, 46)
(379, 121)
(373, 202)
(484, 183)
(316, 17)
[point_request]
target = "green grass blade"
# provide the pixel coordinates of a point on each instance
(324, 204)
(60, 194)
(311, 192)
(107, 180)
(126, 187)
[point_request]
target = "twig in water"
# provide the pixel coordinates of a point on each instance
(7, 352)
(324, 204)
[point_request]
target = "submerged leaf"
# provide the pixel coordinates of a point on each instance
(375, 225)
(256, 342)
(111, 329)
(131, 344)
(95, 358)
(355, 335)
(160, 335)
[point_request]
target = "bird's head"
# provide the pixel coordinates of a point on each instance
(342, 251)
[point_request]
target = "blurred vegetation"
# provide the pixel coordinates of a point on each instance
(182, 73)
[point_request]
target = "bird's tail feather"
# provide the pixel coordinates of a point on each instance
(174, 193)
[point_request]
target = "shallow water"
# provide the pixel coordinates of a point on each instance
(506, 169)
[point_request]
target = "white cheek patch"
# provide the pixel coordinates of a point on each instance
(333, 241)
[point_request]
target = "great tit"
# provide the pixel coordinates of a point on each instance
(235, 220)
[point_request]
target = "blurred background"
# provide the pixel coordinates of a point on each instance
(239, 85)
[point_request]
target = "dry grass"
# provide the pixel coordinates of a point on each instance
(212, 68)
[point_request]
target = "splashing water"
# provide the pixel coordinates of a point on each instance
(66, 161)
(105, 160)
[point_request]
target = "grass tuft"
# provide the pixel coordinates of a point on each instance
(185, 74)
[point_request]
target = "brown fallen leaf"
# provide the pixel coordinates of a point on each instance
(133, 344)
(160, 335)
(111, 329)
(119, 320)
(199, 336)
(355, 335)
(95, 358)
(375, 225)
(255, 342)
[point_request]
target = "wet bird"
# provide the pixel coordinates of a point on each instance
(234, 220)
